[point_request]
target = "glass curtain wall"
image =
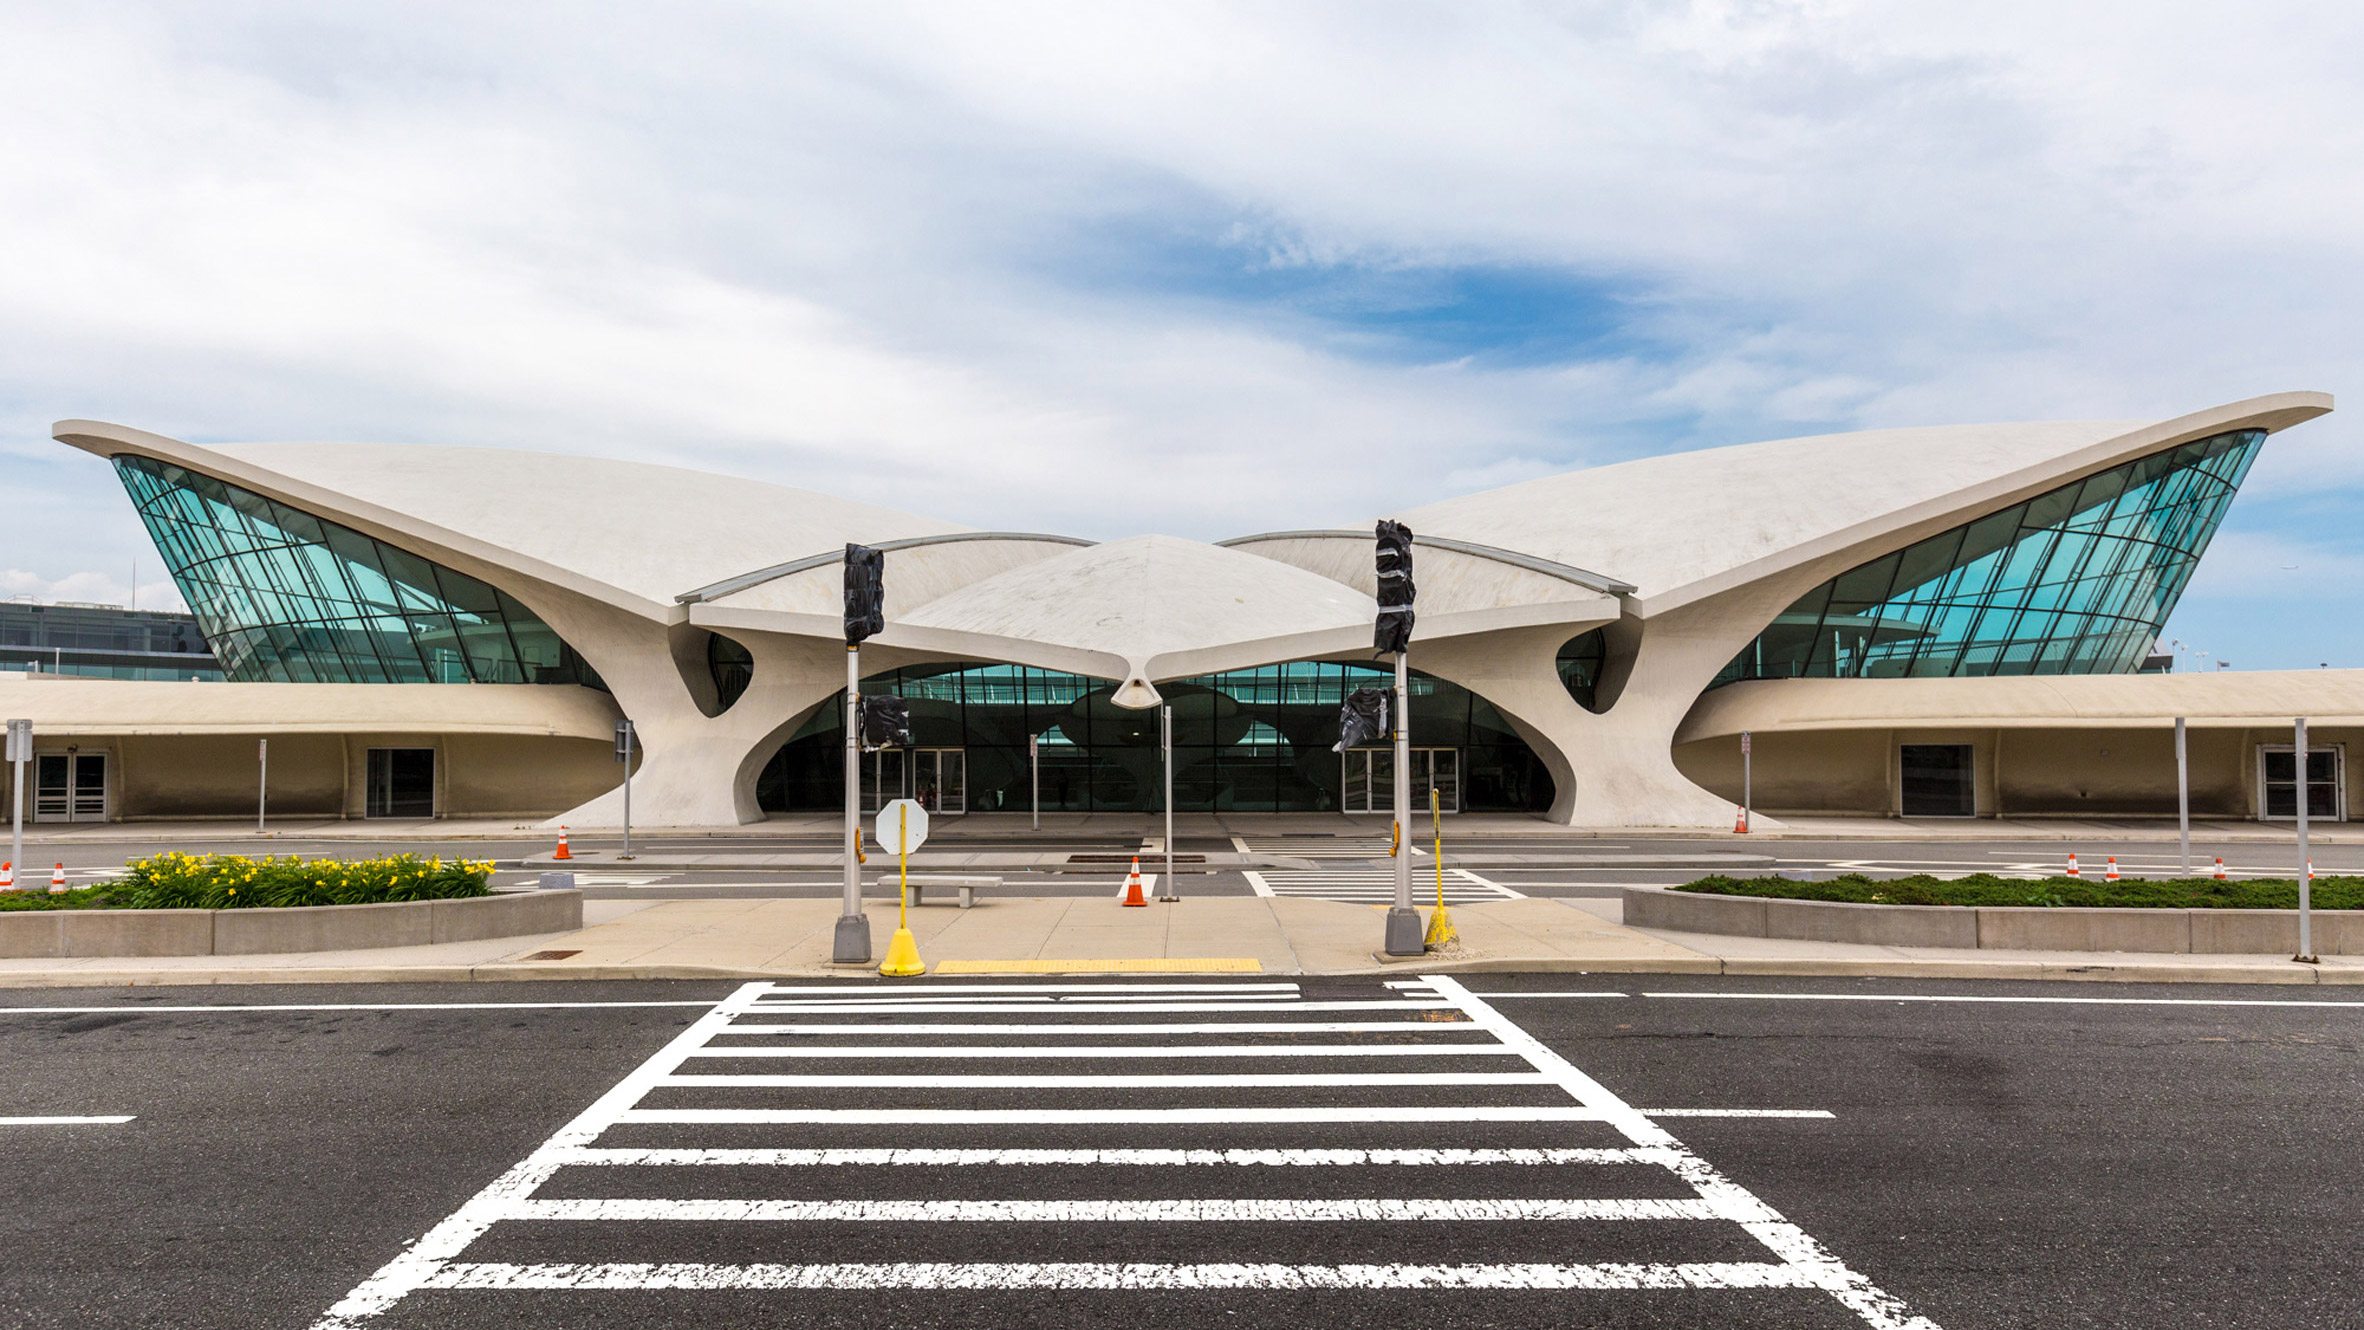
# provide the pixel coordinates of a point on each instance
(1253, 740)
(2075, 581)
(286, 597)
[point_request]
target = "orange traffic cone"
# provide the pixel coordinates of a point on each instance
(2220, 868)
(1740, 822)
(57, 880)
(562, 852)
(1133, 894)
(2072, 864)
(7, 877)
(2310, 872)
(2112, 874)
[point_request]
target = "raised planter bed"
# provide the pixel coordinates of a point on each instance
(36, 933)
(2018, 928)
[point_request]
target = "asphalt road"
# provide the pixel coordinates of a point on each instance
(2082, 1155)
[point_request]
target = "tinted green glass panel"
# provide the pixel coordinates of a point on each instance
(289, 597)
(1253, 740)
(2078, 580)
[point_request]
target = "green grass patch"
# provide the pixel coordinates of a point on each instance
(2182, 893)
(230, 882)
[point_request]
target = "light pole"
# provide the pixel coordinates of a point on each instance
(2183, 800)
(2306, 863)
(624, 738)
(1034, 774)
(20, 751)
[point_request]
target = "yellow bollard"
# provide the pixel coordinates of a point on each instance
(1440, 924)
(902, 956)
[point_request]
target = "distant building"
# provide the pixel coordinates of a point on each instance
(1948, 621)
(104, 642)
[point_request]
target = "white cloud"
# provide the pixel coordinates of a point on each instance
(839, 246)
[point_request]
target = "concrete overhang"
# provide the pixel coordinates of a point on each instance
(65, 707)
(2226, 699)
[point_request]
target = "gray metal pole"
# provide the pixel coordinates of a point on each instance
(851, 945)
(1165, 738)
(1747, 771)
(1034, 771)
(1404, 935)
(2183, 800)
(16, 834)
(2306, 867)
(262, 794)
(628, 736)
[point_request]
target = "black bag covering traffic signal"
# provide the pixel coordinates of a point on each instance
(1392, 633)
(865, 594)
(886, 722)
(1362, 722)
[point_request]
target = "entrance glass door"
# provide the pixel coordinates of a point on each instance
(1367, 780)
(2277, 770)
(401, 783)
(936, 777)
(1937, 781)
(69, 787)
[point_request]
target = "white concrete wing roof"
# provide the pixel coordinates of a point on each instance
(1687, 525)
(1143, 609)
(650, 532)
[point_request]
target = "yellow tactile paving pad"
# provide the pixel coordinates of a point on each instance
(1136, 965)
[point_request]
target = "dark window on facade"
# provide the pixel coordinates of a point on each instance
(733, 668)
(401, 782)
(1580, 668)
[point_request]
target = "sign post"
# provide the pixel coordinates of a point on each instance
(1391, 634)
(1034, 771)
(2306, 863)
(624, 755)
(262, 794)
(902, 827)
(20, 751)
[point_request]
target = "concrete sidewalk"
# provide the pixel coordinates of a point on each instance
(743, 939)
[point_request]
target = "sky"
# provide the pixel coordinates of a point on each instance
(1195, 268)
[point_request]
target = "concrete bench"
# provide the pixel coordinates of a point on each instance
(967, 885)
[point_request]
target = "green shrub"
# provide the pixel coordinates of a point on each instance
(2183, 893)
(175, 881)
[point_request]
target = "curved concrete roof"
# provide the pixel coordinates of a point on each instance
(649, 531)
(1686, 525)
(1147, 608)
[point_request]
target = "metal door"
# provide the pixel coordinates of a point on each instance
(69, 787)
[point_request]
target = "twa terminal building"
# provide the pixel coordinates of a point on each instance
(1928, 622)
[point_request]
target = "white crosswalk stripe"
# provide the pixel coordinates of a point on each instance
(1691, 1219)
(1315, 847)
(1376, 885)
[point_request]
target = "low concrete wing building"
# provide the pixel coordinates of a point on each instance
(1895, 612)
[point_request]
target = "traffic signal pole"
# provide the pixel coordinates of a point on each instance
(851, 945)
(1404, 934)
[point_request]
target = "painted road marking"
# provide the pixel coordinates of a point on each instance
(960, 1158)
(1130, 965)
(1358, 886)
(143, 1009)
(1130, 1278)
(1823, 1113)
(106, 1120)
(1795, 1260)
(836, 1051)
(1294, 1210)
(1919, 997)
(1166, 1081)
